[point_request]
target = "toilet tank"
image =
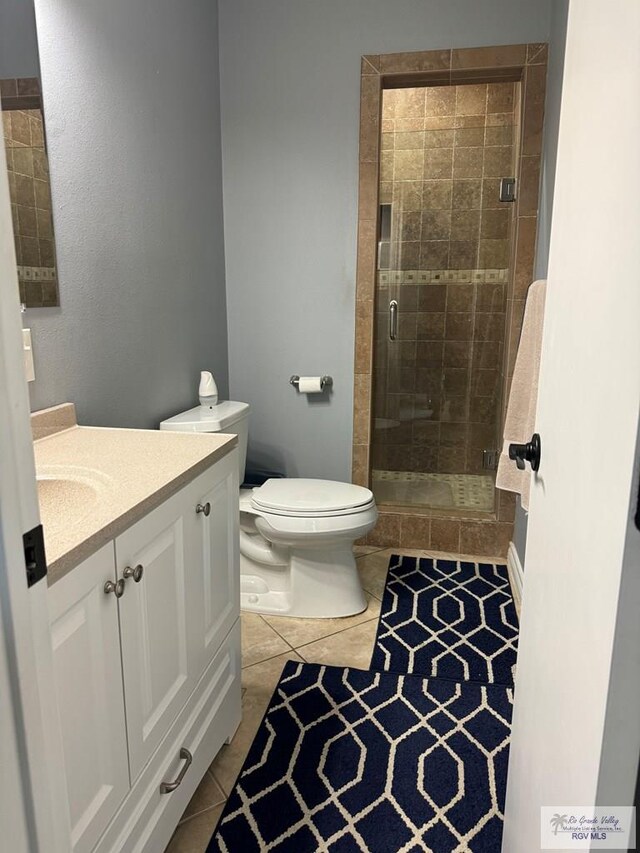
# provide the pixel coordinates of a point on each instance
(228, 416)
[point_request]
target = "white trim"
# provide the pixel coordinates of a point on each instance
(516, 575)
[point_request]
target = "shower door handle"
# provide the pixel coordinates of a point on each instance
(393, 319)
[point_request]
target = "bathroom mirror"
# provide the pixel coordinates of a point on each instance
(27, 163)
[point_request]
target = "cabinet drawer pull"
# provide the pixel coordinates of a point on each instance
(116, 588)
(168, 787)
(135, 573)
(206, 508)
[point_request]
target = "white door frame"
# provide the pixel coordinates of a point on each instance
(33, 813)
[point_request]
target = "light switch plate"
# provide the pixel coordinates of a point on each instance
(29, 368)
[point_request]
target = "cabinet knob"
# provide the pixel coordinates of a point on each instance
(204, 508)
(116, 588)
(136, 572)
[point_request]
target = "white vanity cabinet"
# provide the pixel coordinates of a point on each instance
(88, 676)
(147, 663)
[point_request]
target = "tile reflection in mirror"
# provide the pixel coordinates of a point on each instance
(29, 190)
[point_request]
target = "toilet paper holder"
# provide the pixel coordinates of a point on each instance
(325, 381)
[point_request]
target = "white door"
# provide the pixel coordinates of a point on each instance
(88, 675)
(32, 805)
(155, 627)
(212, 545)
(575, 730)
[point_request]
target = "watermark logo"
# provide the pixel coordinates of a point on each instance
(587, 828)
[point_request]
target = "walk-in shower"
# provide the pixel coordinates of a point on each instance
(441, 286)
(450, 145)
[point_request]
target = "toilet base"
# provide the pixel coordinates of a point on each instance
(318, 584)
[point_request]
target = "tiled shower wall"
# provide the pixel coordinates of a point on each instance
(30, 193)
(437, 391)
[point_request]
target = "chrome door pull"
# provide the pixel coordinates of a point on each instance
(168, 787)
(393, 319)
(204, 508)
(116, 588)
(135, 572)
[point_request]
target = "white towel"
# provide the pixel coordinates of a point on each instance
(520, 421)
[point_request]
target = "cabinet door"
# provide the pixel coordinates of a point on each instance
(88, 680)
(214, 579)
(154, 627)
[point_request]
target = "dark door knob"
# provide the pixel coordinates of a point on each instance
(529, 452)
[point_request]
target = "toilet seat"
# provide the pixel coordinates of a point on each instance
(306, 498)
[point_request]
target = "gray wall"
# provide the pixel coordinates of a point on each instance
(290, 73)
(18, 40)
(131, 97)
(557, 38)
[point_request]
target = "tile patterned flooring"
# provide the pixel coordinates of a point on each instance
(267, 642)
(437, 491)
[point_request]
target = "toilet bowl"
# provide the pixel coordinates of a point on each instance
(296, 534)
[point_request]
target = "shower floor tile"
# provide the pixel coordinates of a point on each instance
(457, 491)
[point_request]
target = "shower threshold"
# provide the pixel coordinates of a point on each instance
(435, 491)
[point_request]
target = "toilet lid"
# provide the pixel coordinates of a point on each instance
(298, 496)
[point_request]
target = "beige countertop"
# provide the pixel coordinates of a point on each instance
(96, 482)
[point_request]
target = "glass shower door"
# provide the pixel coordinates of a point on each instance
(444, 246)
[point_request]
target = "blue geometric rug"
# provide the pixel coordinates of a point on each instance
(449, 619)
(347, 760)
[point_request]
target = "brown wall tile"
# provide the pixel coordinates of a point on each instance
(471, 100)
(467, 194)
(425, 60)
(478, 537)
(436, 195)
(386, 533)
(415, 532)
(438, 163)
(441, 101)
(529, 186)
(525, 253)
(445, 535)
(359, 465)
(467, 163)
(512, 55)
(533, 112)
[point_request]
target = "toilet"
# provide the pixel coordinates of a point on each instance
(296, 534)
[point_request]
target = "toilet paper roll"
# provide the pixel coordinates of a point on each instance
(310, 385)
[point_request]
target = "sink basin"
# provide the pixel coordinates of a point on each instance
(67, 496)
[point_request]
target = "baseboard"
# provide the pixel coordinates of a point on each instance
(516, 574)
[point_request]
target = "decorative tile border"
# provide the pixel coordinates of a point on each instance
(36, 273)
(523, 63)
(386, 277)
